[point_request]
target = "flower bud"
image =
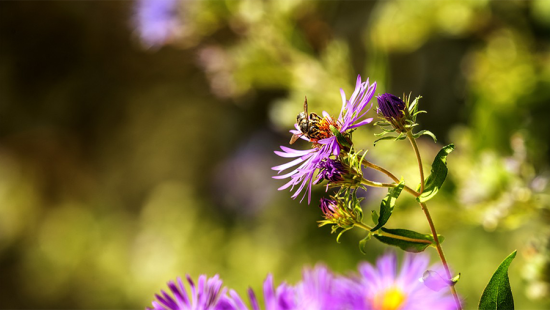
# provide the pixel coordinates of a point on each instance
(329, 208)
(330, 170)
(393, 109)
(336, 213)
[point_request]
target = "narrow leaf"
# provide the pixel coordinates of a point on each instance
(385, 138)
(406, 240)
(341, 233)
(425, 132)
(498, 294)
(439, 172)
(387, 205)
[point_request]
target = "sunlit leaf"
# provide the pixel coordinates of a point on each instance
(498, 294)
(437, 177)
(387, 205)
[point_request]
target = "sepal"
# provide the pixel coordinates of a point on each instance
(363, 243)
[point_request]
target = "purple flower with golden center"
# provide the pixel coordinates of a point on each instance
(205, 296)
(282, 298)
(381, 287)
(308, 161)
(157, 21)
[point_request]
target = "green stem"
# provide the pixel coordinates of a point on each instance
(368, 164)
(440, 252)
(377, 184)
(430, 221)
(418, 158)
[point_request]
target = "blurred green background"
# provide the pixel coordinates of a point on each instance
(128, 158)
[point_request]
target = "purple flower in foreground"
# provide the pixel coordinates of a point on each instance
(282, 298)
(320, 290)
(157, 21)
(382, 288)
(308, 161)
(205, 296)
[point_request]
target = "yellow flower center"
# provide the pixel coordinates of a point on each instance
(391, 299)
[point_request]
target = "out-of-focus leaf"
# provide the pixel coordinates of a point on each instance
(498, 294)
(439, 172)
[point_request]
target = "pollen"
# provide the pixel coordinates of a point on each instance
(391, 299)
(324, 127)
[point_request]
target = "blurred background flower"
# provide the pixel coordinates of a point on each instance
(134, 144)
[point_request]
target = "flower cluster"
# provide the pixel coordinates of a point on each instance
(335, 137)
(379, 287)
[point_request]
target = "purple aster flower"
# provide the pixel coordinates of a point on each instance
(383, 288)
(157, 21)
(320, 290)
(205, 296)
(282, 298)
(308, 161)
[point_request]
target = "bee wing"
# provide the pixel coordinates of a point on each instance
(294, 138)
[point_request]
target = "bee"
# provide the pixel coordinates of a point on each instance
(308, 125)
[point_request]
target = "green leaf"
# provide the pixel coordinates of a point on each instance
(498, 294)
(363, 242)
(438, 175)
(387, 205)
(416, 242)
